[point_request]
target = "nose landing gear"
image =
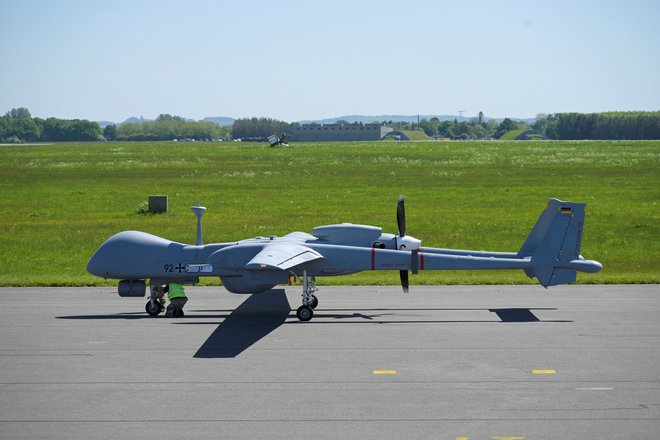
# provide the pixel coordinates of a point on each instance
(153, 308)
(155, 305)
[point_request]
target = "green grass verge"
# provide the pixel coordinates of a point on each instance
(61, 201)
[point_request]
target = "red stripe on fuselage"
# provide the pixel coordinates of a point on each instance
(421, 261)
(373, 258)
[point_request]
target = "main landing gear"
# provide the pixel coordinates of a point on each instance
(309, 300)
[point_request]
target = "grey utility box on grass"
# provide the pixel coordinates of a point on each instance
(158, 204)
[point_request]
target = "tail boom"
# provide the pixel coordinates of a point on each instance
(551, 252)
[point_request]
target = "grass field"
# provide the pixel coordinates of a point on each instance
(61, 201)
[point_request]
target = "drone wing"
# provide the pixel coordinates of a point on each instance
(282, 256)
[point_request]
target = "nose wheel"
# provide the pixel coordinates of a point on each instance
(153, 308)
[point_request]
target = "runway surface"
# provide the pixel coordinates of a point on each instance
(449, 362)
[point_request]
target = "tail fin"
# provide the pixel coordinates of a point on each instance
(557, 236)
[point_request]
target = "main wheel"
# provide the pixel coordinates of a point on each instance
(153, 308)
(315, 302)
(304, 313)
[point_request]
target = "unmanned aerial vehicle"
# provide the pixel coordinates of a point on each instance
(551, 253)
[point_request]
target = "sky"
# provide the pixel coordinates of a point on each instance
(295, 60)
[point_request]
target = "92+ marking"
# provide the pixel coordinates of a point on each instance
(171, 268)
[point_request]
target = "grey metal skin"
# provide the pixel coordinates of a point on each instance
(551, 253)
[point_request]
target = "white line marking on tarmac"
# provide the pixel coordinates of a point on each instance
(595, 389)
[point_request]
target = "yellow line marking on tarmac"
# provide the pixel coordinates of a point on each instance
(462, 438)
(384, 372)
(542, 372)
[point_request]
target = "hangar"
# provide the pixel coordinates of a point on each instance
(339, 132)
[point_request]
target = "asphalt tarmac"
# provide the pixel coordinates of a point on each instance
(448, 362)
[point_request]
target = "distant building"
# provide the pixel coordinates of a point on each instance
(338, 132)
(531, 135)
(397, 135)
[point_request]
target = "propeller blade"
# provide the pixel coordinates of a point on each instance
(401, 223)
(404, 280)
(401, 216)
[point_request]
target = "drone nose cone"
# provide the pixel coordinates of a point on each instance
(93, 267)
(129, 254)
(96, 265)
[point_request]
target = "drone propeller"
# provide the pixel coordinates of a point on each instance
(404, 242)
(401, 222)
(403, 274)
(401, 216)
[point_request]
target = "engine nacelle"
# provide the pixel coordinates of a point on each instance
(348, 234)
(129, 288)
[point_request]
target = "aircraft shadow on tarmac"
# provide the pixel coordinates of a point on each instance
(250, 322)
(241, 328)
(261, 314)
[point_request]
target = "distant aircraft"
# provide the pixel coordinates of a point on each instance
(551, 253)
(278, 140)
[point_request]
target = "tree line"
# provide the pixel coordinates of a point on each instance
(601, 126)
(166, 127)
(17, 125)
(253, 128)
(560, 126)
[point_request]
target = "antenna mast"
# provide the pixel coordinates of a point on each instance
(199, 212)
